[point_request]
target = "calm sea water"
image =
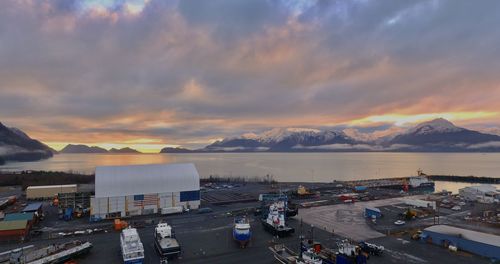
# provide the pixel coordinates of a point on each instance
(310, 167)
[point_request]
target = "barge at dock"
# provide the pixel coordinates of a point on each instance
(56, 253)
(415, 183)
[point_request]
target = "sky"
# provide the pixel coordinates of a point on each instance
(152, 73)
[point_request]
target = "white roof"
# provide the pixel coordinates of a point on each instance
(466, 234)
(481, 188)
(52, 186)
(114, 181)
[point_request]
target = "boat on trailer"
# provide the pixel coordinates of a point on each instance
(165, 242)
(131, 246)
(241, 230)
(275, 222)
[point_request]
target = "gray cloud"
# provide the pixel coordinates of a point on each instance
(222, 67)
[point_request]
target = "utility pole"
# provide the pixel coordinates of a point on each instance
(312, 233)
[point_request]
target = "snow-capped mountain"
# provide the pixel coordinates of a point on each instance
(279, 134)
(439, 125)
(442, 135)
(435, 135)
(281, 139)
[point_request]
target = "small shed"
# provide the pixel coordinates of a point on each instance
(30, 217)
(13, 230)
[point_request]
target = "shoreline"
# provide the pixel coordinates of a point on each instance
(27, 178)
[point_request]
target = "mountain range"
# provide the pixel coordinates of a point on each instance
(439, 135)
(15, 145)
(73, 149)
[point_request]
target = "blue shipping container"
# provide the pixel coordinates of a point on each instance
(190, 196)
(360, 188)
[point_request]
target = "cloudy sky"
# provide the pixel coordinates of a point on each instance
(151, 73)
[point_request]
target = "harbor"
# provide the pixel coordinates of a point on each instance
(369, 221)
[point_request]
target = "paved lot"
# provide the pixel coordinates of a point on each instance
(347, 219)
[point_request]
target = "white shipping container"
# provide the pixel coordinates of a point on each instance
(172, 210)
(421, 203)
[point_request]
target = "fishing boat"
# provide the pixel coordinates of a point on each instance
(165, 242)
(241, 231)
(350, 253)
(287, 256)
(131, 246)
(275, 220)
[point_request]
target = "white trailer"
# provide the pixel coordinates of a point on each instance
(421, 203)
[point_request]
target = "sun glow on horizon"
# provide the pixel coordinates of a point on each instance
(141, 147)
(154, 145)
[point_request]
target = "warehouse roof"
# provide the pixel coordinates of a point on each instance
(113, 181)
(466, 234)
(18, 216)
(13, 225)
(32, 207)
(52, 186)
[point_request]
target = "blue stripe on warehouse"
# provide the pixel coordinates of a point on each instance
(190, 196)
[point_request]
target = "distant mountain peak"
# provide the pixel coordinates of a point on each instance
(79, 148)
(438, 125)
(18, 146)
(277, 134)
(124, 150)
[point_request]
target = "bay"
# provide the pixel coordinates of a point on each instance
(290, 167)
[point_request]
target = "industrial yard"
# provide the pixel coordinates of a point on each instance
(328, 213)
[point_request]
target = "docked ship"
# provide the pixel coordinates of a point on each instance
(274, 222)
(241, 230)
(420, 182)
(131, 246)
(165, 242)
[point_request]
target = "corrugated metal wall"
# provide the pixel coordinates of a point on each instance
(481, 249)
(48, 192)
(143, 204)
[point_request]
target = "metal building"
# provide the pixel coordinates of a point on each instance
(48, 191)
(14, 230)
(483, 244)
(481, 193)
(122, 191)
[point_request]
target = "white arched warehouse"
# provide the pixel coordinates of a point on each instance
(144, 189)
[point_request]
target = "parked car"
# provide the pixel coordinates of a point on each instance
(205, 210)
(371, 249)
(399, 222)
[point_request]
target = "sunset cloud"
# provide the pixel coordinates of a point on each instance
(151, 73)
